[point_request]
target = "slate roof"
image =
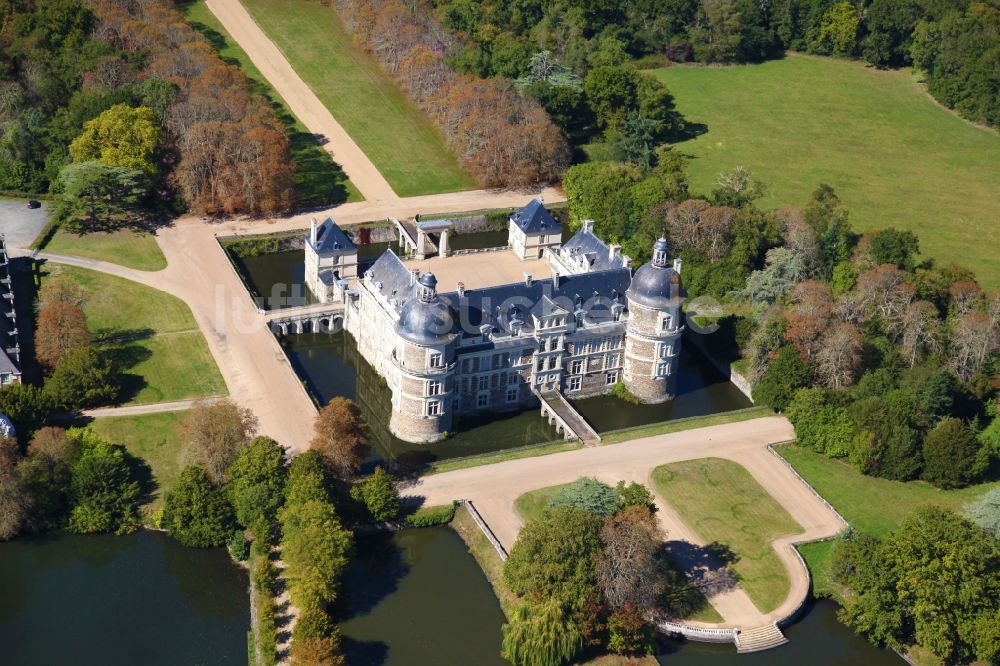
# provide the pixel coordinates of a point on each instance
(8, 342)
(394, 276)
(594, 292)
(597, 252)
(535, 219)
(331, 238)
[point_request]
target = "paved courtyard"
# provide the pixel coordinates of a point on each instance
(19, 224)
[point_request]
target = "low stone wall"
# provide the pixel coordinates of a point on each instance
(700, 634)
(501, 551)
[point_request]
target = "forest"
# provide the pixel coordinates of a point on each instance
(953, 44)
(122, 109)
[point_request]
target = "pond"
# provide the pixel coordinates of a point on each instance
(140, 599)
(418, 597)
(331, 366)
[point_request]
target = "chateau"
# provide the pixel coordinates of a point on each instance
(10, 348)
(448, 350)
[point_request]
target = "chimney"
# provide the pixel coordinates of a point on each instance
(588, 226)
(312, 230)
(613, 251)
(555, 278)
(414, 274)
(461, 289)
(677, 265)
(527, 279)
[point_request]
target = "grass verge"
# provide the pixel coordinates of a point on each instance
(399, 140)
(500, 456)
(151, 334)
(319, 181)
(871, 505)
(723, 504)
(486, 556)
(125, 247)
(156, 439)
(677, 425)
(894, 156)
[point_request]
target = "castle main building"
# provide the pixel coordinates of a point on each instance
(590, 325)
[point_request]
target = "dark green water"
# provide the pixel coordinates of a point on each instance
(818, 639)
(418, 597)
(276, 280)
(478, 240)
(99, 600)
(331, 366)
(701, 390)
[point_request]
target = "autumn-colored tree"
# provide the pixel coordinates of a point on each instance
(809, 317)
(61, 328)
(974, 336)
(215, 432)
(921, 331)
(630, 569)
(964, 296)
(316, 652)
(341, 436)
(60, 288)
(55, 443)
(839, 356)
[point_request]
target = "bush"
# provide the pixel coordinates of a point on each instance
(260, 530)
(431, 516)
(265, 576)
(620, 391)
(629, 633)
(635, 494)
(196, 512)
(267, 629)
(239, 547)
(590, 495)
(784, 375)
(379, 494)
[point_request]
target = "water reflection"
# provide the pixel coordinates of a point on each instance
(141, 599)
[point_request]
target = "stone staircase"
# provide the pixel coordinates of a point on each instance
(760, 638)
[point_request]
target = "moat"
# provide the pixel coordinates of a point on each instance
(406, 597)
(330, 366)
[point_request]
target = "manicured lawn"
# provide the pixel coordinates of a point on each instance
(152, 334)
(153, 437)
(722, 503)
(134, 249)
(400, 140)
(678, 425)
(894, 157)
(871, 505)
(500, 456)
(319, 180)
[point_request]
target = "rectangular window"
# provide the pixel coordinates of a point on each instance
(434, 408)
(483, 400)
(662, 369)
(576, 367)
(433, 388)
(436, 361)
(664, 351)
(574, 383)
(611, 378)
(612, 361)
(512, 394)
(665, 323)
(484, 382)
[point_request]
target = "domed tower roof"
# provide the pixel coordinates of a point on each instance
(426, 319)
(656, 284)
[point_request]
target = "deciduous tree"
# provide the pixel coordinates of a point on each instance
(953, 457)
(61, 328)
(257, 480)
(340, 436)
(196, 512)
(630, 567)
(215, 433)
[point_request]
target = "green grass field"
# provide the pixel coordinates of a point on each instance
(400, 140)
(153, 437)
(871, 505)
(319, 181)
(152, 334)
(894, 157)
(134, 249)
(722, 503)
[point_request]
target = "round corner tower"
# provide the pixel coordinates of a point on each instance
(653, 332)
(424, 360)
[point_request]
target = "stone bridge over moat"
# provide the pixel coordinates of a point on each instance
(319, 318)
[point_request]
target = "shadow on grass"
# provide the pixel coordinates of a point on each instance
(709, 567)
(319, 182)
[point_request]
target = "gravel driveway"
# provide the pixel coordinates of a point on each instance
(19, 224)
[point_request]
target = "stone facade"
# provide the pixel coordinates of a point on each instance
(10, 346)
(331, 261)
(494, 349)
